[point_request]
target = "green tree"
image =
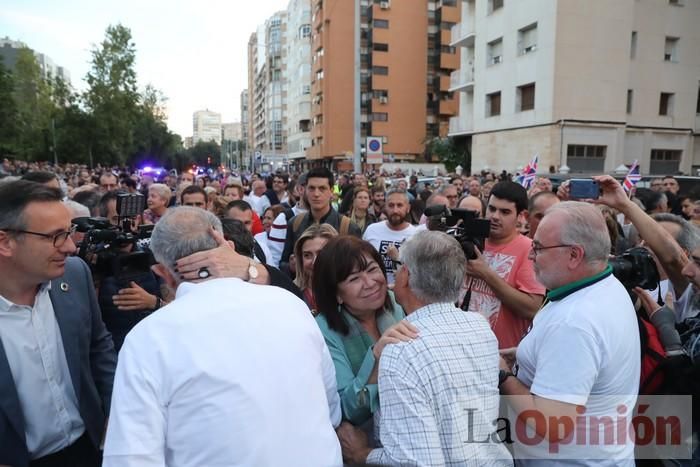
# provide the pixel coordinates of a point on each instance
(112, 97)
(8, 112)
(448, 152)
(32, 94)
(152, 139)
(204, 151)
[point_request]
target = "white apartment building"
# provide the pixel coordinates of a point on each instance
(267, 93)
(586, 84)
(298, 78)
(9, 50)
(206, 126)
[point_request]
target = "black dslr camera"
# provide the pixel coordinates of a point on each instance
(462, 224)
(636, 268)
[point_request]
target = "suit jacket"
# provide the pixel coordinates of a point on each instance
(91, 361)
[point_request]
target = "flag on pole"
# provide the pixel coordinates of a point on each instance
(633, 176)
(527, 179)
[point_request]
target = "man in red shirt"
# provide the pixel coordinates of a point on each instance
(501, 282)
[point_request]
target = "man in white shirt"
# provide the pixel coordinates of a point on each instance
(391, 233)
(257, 198)
(580, 360)
(438, 392)
(229, 373)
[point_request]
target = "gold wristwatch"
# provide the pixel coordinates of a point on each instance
(252, 271)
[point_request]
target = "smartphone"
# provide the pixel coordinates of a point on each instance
(583, 188)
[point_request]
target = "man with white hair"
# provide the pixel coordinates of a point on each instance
(438, 391)
(581, 354)
(196, 386)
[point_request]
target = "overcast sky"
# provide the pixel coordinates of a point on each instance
(193, 51)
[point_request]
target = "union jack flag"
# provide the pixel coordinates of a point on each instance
(633, 176)
(527, 179)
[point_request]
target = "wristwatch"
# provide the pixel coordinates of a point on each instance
(252, 270)
(503, 376)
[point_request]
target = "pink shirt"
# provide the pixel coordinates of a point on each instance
(511, 263)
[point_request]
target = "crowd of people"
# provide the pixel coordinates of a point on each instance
(318, 318)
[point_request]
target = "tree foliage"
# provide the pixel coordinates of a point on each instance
(448, 152)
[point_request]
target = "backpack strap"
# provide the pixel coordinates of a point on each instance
(297, 222)
(344, 225)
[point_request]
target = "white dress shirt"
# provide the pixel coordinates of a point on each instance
(230, 373)
(34, 348)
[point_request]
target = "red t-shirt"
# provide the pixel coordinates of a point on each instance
(511, 263)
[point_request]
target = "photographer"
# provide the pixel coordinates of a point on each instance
(501, 282)
(682, 273)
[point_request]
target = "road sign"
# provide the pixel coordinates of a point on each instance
(374, 150)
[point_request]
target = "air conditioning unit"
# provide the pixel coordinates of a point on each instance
(530, 48)
(384, 5)
(383, 100)
(668, 57)
(497, 59)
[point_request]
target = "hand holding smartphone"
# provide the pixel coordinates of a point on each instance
(583, 188)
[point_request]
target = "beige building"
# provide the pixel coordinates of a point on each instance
(587, 85)
(206, 126)
(267, 94)
(406, 61)
(298, 78)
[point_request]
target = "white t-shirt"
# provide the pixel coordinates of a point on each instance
(685, 306)
(258, 203)
(230, 373)
(584, 349)
(381, 237)
(261, 239)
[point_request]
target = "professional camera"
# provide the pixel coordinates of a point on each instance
(118, 251)
(636, 268)
(462, 224)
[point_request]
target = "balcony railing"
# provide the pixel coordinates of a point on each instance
(463, 34)
(460, 124)
(462, 78)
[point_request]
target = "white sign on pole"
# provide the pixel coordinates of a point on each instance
(374, 150)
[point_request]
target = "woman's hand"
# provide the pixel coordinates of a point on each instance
(134, 298)
(403, 331)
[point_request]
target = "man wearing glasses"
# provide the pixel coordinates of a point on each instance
(581, 355)
(57, 359)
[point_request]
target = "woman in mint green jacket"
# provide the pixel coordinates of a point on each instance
(358, 316)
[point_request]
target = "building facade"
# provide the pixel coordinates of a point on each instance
(49, 70)
(267, 93)
(586, 85)
(244, 115)
(298, 78)
(405, 63)
(206, 126)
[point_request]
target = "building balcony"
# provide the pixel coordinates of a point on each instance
(449, 61)
(460, 125)
(462, 79)
(463, 35)
(448, 107)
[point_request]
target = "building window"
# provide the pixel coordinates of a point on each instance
(381, 23)
(675, 2)
(665, 161)
(526, 97)
(630, 96)
(633, 45)
(319, 75)
(527, 39)
(495, 5)
(380, 117)
(305, 31)
(671, 49)
(380, 47)
(697, 106)
(666, 103)
(306, 89)
(493, 104)
(380, 70)
(494, 52)
(582, 158)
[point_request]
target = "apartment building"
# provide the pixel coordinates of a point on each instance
(244, 115)
(405, 65)
(298, 78)
(587, 85)
(267, 93)
(206, 126)
(9, 50)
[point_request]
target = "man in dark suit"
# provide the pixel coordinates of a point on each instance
(57, 360)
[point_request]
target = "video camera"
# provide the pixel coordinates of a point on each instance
(118, 251)
(461, 224)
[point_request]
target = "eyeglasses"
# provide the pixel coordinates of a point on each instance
(537, 248)
(58, 239)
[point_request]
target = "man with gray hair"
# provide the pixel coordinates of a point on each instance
(438, 392)
(229, 373)
(581, 354)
